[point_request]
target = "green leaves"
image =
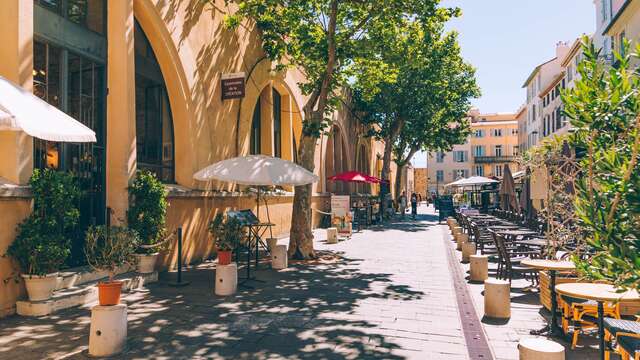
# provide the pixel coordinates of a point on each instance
(109, 248)
(603, 109)
(43, 241)
(147, 209)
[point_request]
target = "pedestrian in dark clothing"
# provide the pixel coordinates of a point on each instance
(414, 205)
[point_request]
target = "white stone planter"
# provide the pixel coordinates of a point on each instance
(40, 287)
(226, 279)
(108, 331)
(146, 263)
(271, 243)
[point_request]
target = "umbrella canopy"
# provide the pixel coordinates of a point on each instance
(355, 176)
(20, 110)
(507, 190)
(472, 181)
(259, 170)
(525, 196)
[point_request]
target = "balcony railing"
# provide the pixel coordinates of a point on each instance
(493, 159)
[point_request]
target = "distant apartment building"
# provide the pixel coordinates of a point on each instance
(493, 142)
(540, 80)
(624, 23)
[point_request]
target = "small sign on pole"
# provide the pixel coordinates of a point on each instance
(232, 86)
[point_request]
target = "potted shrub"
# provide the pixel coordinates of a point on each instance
(147, 216)
(43, 241)
(227, 233)
(108, 249)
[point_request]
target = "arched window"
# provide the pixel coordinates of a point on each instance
(277, 124)
(254, 144)
(154, 122)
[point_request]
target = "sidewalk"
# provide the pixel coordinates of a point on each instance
(387, 294)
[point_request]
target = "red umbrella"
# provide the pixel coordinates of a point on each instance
(355, 176)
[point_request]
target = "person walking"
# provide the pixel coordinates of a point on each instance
(402, 202)
(414, 205)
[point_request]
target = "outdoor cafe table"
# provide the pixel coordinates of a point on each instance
(600, 293)
(532, 242)
(552, 266)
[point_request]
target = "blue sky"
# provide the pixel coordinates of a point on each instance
(506, 39)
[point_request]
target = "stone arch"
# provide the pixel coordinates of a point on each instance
(363, 164)
(177, 88)
(337, 159)
(290, 117)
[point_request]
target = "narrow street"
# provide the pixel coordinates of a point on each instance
(384, 293)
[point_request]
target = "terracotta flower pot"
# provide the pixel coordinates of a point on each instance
(224, 257)
(109, 293)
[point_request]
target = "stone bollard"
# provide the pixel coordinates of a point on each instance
(332, 235)
(226, 279)
(279, 257)
(108, 331)
(271, 243)
(455, 231)
(349, 229)
(460, 240)
(468, 249)
(540, 349)
(479, 268)
(497, 299)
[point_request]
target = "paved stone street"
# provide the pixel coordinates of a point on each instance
(385, 293)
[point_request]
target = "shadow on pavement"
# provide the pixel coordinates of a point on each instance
(305, 312)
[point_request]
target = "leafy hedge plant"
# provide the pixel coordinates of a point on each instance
(227, 232)
(43, 242)
(604, 109)
(147, 210)
(109, 248)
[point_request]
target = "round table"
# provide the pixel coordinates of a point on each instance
(552, 266)
(599, 293)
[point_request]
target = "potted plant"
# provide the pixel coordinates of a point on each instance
(43, 241)
(147, 216)
(227, 233)
(108, 249)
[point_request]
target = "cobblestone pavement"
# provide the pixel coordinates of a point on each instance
(386, 293)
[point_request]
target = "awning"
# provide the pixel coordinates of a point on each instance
(20, 110)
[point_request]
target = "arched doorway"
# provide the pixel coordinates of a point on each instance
(336, 161)
(275, 123)
(362, 165)
(154, 119)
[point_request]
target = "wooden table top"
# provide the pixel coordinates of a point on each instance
(542, 264)
(534, 242)
(516, 232)
(597, 292)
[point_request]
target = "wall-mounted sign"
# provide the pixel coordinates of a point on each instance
(232, 86)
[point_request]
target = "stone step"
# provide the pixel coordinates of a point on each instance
(83, 294)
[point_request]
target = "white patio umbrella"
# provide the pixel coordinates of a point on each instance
(472, 181)
(20, 110)
(258, 170)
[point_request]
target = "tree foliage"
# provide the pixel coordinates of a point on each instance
(147, 209)
(604, 110)
(324, 39)
(44, 237)
(423, 101)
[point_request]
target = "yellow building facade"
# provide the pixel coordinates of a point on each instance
(146, 76)
(492, 143)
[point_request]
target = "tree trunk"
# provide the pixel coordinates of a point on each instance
(300, 235)
(398, 184)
